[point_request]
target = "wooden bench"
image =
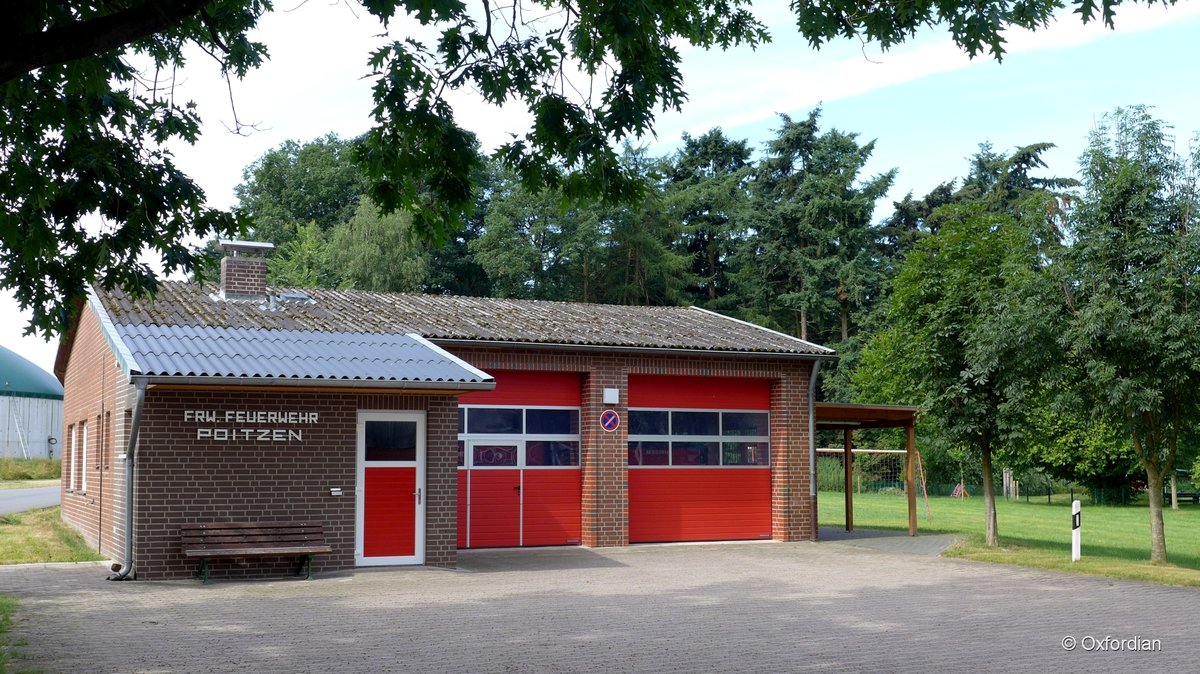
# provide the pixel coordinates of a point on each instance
(215, 540)
(1193, 496)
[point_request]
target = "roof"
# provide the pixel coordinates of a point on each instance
(20, 378)
(448, 319)
(197, 352)
(850, 416)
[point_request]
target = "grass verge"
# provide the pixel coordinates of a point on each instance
(7, 606)
(1115, 539)
(41, 536)
(28, 484)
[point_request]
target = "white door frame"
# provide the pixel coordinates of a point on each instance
(418, 556)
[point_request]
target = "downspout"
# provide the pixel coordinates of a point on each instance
(812, 429)
(125, 571)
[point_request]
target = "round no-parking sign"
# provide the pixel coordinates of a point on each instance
(610, 420)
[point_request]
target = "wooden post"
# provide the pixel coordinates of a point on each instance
(848, 464)
(910, 481)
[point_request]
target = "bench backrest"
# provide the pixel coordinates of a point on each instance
(234, 535)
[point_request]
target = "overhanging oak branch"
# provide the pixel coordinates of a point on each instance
(24, 53)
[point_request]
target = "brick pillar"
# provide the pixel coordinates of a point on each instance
(793, 508)
(441, 482)
(604, 458)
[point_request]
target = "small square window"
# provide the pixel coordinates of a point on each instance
(695, 454)
(551, 453)
(551, 422)
(695, 423)
(645, 422)
(391, 441)
(745, 424)
(494, 420)
(745, 454)
(649, 453)
(494, 455)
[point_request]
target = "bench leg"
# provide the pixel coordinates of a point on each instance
(203, 571)
(308, 566)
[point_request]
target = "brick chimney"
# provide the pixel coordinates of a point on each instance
(244, 269)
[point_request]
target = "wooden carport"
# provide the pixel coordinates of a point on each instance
(849, 417)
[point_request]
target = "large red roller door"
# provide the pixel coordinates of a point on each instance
(699, 459)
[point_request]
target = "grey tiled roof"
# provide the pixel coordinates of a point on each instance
(445, 317)
(257, 353)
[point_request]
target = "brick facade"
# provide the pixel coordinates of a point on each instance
(98, 395)
(182, 479)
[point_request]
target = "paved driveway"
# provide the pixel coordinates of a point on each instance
(761, 607)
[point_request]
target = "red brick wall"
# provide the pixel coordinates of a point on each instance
(95, 392)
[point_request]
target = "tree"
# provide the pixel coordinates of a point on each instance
(972, 328)
(1135, 298)
(83, 133)
(374, 251)
(707, 193)
(1071, 446)
(297, 183)
(812, 220)
(642, 264)
(304, 261)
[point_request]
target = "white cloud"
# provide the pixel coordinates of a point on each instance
(788, 76)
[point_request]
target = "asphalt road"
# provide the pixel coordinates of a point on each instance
(19, 500)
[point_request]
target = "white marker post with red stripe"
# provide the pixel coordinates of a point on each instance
(1074, 531)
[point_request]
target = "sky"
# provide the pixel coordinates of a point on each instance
(927, 105)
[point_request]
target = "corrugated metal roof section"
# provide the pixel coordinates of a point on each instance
(461, 318)
(202, 351)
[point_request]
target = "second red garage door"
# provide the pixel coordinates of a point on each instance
(699, 459)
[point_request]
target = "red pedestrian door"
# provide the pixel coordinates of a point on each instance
(390, 526)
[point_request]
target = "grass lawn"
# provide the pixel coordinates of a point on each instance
(1115, 539)
(40, 536)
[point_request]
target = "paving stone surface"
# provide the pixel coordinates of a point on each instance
(755, 607)
(890, 541)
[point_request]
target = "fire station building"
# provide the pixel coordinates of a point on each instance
(411, 426)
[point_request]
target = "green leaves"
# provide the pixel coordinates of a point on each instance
(83, 138)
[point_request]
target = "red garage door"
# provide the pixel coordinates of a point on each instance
(699, 459)
(519, 479)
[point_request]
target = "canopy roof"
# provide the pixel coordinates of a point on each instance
(851, 416)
